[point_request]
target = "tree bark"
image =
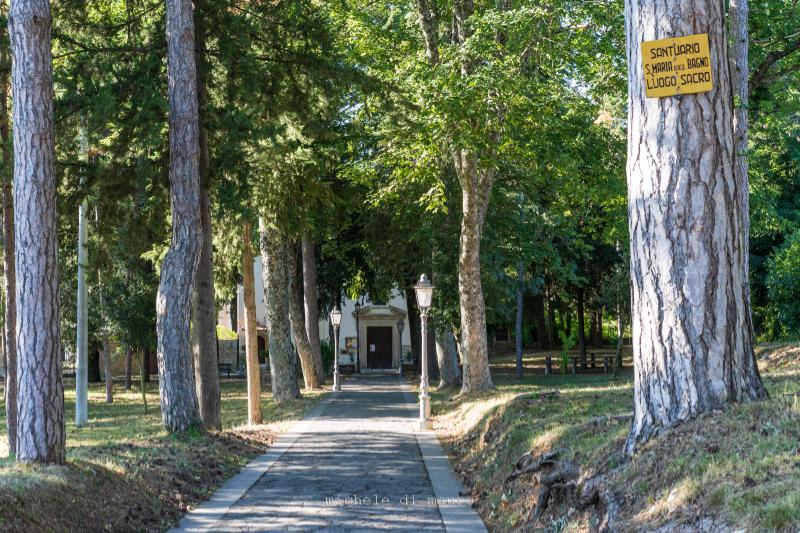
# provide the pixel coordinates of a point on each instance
(414, 327)
(146, 365)
(204, 311)
(692, 340)
(204, 322)
(620, 339)
(518, 321)
(9, 287)
(428, 24)
(142, 355)
(581, 329)
(234, 313)
(250, 333)
(311, 372)
(311, 306)
(551, 319)
(597, 329)
(476, 187)
(179, 408)
(541, 322)
(282, 361)
(128, 365)
(40, 418)
(107, 372)
(739, 12)
(447, 357)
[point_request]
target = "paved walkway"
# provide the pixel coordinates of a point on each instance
(354, 463)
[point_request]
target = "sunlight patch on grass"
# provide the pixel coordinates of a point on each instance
(679, 496)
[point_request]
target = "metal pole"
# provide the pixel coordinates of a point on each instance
(358, 339)
(336, 385)
(82, 351)
(424, 398)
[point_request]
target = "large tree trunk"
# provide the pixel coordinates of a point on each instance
(146, 365)
(414, 327)
(311, 306)
(739, 12)
(518, 321)
(620, 339)
(107, 372)
(178, 271)
(204, 324)
(9, 287)
(597, 328)
(311, 372)
(541, 322)
(692, 341)
(204, 310)
(250, 333)
(40, 422)
(476, 187)
(447, 357)
(275, 269)
(233, 304)
(551, 318)
(581, 329)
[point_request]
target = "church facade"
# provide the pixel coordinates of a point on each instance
(373, 336)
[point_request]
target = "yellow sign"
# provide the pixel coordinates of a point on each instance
(680, 65)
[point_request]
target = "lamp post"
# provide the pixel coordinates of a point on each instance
(336, 319)
(424, 291)
(358, 339)
(401, 324)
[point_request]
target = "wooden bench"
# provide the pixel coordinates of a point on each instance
(226, 368)
(608, 362)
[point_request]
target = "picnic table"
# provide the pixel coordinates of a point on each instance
(590, 362)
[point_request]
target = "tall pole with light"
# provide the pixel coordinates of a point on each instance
(424, 291)
(358, 338)
(336, 320)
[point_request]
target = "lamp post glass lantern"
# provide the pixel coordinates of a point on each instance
(336, 320)
(424, 292)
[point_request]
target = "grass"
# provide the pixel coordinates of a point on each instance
(737, 467)
(124, 472)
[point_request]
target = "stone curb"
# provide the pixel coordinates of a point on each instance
(204, 516)
(456, 510)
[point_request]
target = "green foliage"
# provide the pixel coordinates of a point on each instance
(783, 284)
(327, 355)
(568, 341)
(774, 157)
(225, 334)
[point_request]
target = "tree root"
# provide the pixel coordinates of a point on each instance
(528, 464)
(563, 481)
(563, 478)
(595, 493)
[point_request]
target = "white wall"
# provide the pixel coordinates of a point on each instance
(347, 328)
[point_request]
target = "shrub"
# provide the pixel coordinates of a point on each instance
(326, 350)
(783, 285)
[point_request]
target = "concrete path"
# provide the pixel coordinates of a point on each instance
(355, 463)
